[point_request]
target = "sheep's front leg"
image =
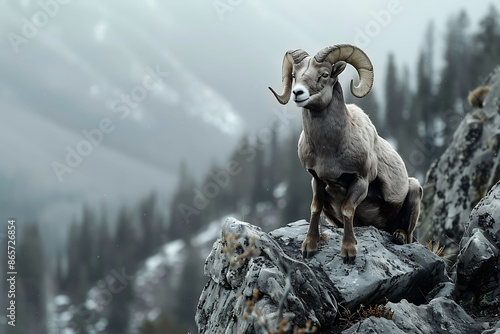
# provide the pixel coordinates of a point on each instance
(310, 244)
(355, 195)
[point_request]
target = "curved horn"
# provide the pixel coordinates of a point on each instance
(291, 57)
(354, 56)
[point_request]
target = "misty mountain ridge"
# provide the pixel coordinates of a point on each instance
(58, 90)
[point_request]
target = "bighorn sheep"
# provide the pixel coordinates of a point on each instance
(358, 178)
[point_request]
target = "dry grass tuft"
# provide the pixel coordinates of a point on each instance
(232, 244)
(348, 319)
(268, 323)
(435, 247)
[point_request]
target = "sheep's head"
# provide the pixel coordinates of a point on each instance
(315, 77)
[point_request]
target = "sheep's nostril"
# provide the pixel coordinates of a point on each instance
(298, 92)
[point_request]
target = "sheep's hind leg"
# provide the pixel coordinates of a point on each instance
(310, 244)
(407, 218)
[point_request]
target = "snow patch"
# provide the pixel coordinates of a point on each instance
(280, 190)
(61, 300)
(171, 252)
(210, 234)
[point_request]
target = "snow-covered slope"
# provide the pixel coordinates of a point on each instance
(159, 275)
(96, 61)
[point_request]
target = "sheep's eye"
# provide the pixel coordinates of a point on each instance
(325, 75)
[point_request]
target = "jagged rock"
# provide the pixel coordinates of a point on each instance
(444, 289)
(478, 264)
(441, 315)
(464, 173)
(222, 305)
(382, 270)
(494, 330)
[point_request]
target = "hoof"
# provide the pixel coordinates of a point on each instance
(308, 254)
(309, 247)
(349, 259)
(399, 237)
(348, 252)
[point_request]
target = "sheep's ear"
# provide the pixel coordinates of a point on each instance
(338, 68)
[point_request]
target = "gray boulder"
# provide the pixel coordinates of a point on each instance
(223, 303)
(382, 270)
(478, 263)
(494, 330)
(441, 315)
(464, 173)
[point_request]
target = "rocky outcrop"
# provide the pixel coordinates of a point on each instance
(440, 316)
(464, 173)
(264, 262)
(382, 269)
(266, 267)
(476, 287)
(478, 264)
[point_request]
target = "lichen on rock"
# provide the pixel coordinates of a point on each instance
(463, 174)
(478, 263)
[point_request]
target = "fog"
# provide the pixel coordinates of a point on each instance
(102, 100)
(115, 112)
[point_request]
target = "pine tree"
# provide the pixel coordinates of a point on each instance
(86, 242)
(241, 185)
(261, 187)
(456, 78)
(59, 275)
(104, 250)
(217, 181)
(80, 254)
(393, 98)
(150, 226)
(119, 313)
(184, 213)
(82, 285)
(407, 97)
(79, 322)
(125, 242)
(73, 257)
(299, 193)
(31, 281)
(147, 328)
(24, 320)
(166, 325)
(273, 164)
(126, 250)
(424, 100)
(188, 293)
(486, 45)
